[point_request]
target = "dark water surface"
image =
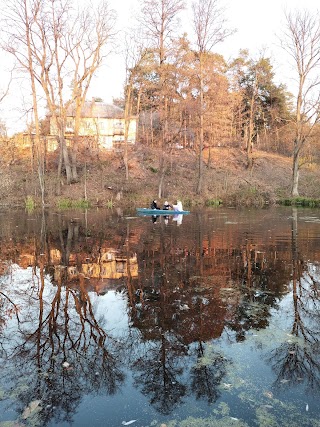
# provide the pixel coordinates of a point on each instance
(108, 319)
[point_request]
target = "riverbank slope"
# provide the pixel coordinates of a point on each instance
(102, 179)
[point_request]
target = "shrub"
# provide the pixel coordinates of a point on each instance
(109, 204)
(213, 202)
(248, 196)
(299, 201)
(68, 204)
(30, 204)
(152, 169)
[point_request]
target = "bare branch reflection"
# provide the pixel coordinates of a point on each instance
(158, 374)
(180, 292)
(297, 361)
(68, 354)
(206, 376)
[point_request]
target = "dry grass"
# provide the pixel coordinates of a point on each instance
(225, 177)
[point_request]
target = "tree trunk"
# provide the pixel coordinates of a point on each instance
(59, 171)
(250, 129)
(162, 174)
(75, 142)
(38, 143)
(200, 175)
(127, 113)
(295, 173)
(73, 157)
(65, 158)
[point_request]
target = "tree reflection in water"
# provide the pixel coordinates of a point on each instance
(73, 336)
(157, 373)
(62, 353)
(187, 290)
(297, 360)
(177, 312)
(207, 377)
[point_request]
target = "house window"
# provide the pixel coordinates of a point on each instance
(69, 125)
(118, 128)
(120, 267)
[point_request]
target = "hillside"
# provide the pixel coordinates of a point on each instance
(226, 178)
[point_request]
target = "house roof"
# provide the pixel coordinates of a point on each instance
(98, 109)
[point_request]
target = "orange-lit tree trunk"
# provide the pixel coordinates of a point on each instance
(301, 41)
(209, 29)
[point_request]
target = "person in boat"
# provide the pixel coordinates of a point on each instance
(178, 206)
(166, 206)
(154, 205)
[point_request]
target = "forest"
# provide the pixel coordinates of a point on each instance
(189, 100)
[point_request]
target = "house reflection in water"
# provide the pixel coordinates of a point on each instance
(100, 275)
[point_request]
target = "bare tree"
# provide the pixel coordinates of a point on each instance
(4, 92)
(301, 40)
(60, 48)
(17, 40)
(209, 28)
(133, 54)
(87, 42)
(3, 126)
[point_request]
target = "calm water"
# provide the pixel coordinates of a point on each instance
(108, 319)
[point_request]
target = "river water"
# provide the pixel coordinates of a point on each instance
(206, 320)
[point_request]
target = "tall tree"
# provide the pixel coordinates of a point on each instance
(209, 28)
(301, 40)
(60, 47)
(91, 33)
(217, 119)
(159, 18)
(263, 103)
(17, 23)
(133, 54)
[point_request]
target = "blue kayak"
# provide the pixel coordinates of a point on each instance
(146, 211)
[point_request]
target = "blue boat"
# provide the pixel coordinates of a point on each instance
(146, 211)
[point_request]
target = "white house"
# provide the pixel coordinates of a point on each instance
(105, 122)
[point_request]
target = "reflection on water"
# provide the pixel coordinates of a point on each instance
(210, 319)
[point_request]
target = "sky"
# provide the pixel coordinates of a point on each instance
(258, 25)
